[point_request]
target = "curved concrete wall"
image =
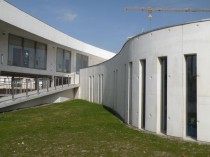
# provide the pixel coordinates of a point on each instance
(108, 83)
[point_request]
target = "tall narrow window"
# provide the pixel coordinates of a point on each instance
(67, 61)
(130, 91)
(15, 51)
(143, 93)
(63, 60)
(163, 63)
(59, 60)
(41, 56)
(90, 88)
(102, 77)
(191, 96)
(29, 53)
(99, 88)
(125, 94)
(116, 86)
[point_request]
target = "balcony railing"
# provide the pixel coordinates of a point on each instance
(12, 89)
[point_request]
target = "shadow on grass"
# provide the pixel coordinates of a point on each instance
(114, 113)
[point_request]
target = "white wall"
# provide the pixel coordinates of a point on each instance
(171, 42)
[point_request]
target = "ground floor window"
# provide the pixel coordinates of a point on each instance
(191, 96)
(143, 92)
(163, 122)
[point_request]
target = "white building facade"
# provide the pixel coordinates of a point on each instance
(28, 45)
(158, 82)
(35, 56)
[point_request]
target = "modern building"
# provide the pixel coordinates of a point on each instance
(32, 52)
(158, 82)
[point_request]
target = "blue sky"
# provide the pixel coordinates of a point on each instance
(103, 23)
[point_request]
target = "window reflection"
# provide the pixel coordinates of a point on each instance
(26, 53)
(63, 61)
(81, 62)
(29, 53)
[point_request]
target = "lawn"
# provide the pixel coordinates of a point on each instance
(79, 128)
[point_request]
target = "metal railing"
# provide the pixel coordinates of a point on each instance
(11, 89)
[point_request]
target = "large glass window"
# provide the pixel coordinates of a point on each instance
(191, 89)
(15, 51)
(41, 56)
(26, 53)
(63, 61)
(67, 61)
(81, 62)
(59, 60)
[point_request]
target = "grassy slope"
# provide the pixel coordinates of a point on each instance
(80, 128)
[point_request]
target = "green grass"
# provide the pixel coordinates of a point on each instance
(80, 128)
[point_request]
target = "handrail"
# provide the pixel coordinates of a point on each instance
(13, 88)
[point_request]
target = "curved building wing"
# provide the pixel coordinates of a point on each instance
(158, 82)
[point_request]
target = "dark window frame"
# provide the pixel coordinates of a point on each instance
(22, 51)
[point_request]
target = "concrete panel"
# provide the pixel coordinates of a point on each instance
(174, 43)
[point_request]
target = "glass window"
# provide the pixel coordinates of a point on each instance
(28, 53)
(143, 92)
(85, 62)
(81, 62)
(41, 56)
(163, 62)
(15, 51)
(59, 60)
(63, 61)
(67, 61)
(191, 95)
(24, 53)
(78, 62)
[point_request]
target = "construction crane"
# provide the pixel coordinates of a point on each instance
(150, 10)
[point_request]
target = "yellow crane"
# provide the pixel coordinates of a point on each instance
(151, 9)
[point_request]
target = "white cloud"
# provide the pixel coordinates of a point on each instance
(67, 16)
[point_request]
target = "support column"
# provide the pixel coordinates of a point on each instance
(27, 87)
(62, 81)
(55, 82)
(12, 87)
(21, 85)
(37, 85)
(52, 81)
